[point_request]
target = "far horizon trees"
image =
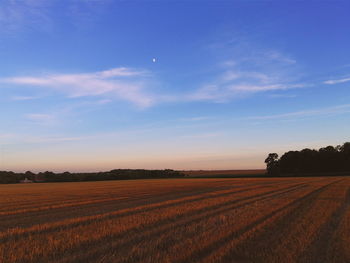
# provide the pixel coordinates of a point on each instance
(117, 174)
(272, 163)
(307, 161)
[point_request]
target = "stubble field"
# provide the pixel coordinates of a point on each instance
(177, 220)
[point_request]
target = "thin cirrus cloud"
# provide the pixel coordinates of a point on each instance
(336, 81)
(246, 73)
(119, 83)
(39, 15)
(17, 15)
(24, 98)
(274, 55)
(40, 118)
(334, 110)
(225, 93)
(133, 86)
(241, 84)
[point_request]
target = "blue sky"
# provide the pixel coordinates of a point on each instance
(95, 85)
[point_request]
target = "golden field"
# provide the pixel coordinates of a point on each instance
(224, 173)
(177, 220)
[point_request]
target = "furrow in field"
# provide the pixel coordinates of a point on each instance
(66, 238)
(21, 232)
(167, 225)
(279, 240)
(89, 209)
(220, 249)
(38, 200)
(341, 248)
(63, 212)
(181, 239)
(64, 205)
(324, 246)
(41, 204)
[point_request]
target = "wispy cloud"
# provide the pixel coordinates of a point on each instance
(221, 92)
(39, 15)
(277, 96)
(12, 139)
(274, 55)
(247, 69)
(23, 98)
(200, 118)
(40, 118)
(335, 110)
(84, 13)
(336, 81)
(16, 15)
(123, 83)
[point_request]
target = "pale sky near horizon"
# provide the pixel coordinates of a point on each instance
(91, 85)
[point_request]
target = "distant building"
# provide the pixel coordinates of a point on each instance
(38, 178)
(25, 181)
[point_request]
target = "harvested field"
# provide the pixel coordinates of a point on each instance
(225, 173)
(177, 220)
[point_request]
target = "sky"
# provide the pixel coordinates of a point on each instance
(88, 85)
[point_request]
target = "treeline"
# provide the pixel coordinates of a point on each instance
(118, 174)
(326, 160)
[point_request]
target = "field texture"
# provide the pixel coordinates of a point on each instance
(224, 173)
(177, 220)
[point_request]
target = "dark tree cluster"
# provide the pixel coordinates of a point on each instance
(118, 174)
(10, 177)
(323, 161)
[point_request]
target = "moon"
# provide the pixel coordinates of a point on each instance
(154, 60)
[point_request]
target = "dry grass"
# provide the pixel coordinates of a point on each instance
(224, 173)
(177, 220)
